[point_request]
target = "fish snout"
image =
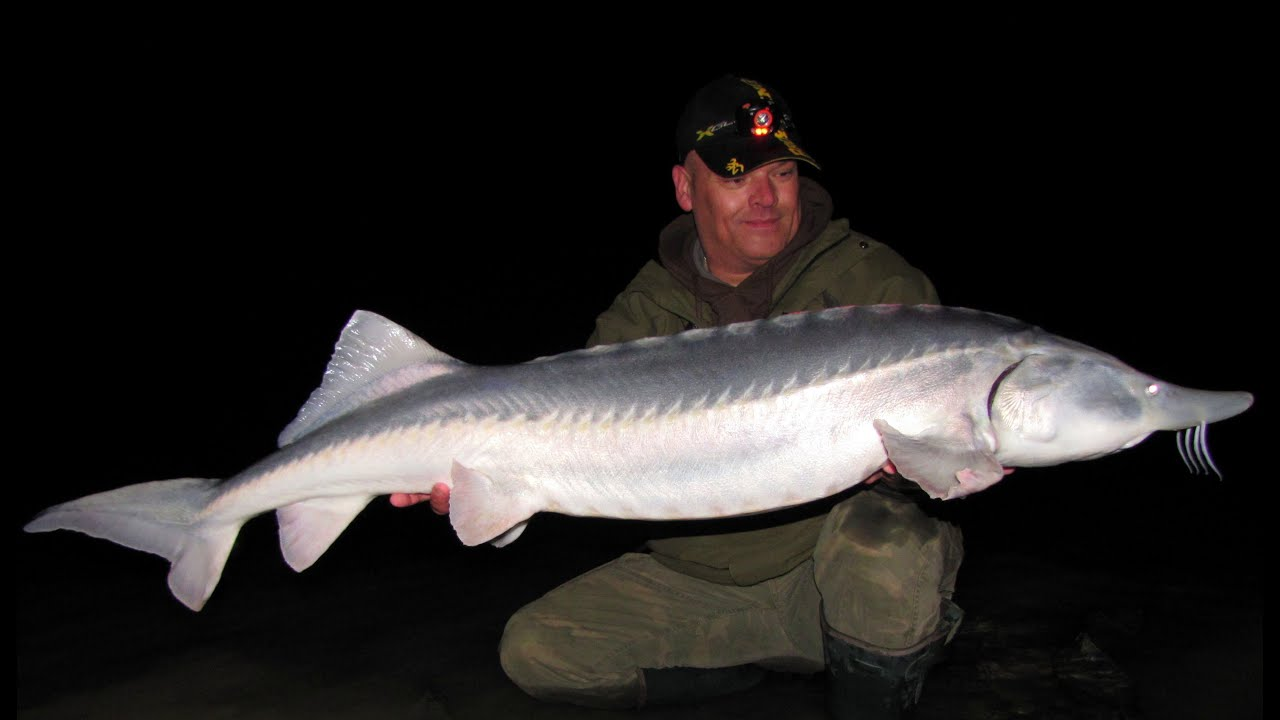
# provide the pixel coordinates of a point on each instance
(1180, 408)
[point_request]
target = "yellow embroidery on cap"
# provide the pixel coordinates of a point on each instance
(710, 130)
(794, 148)
(734, 167)
(761, 91)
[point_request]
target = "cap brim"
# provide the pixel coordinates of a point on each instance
(740, 156)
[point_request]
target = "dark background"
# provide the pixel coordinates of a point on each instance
(199, 221)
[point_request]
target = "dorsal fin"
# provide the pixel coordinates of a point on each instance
(374, 358)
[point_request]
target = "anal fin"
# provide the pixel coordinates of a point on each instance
(308, 528)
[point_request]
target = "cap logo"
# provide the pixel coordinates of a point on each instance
(734, 167)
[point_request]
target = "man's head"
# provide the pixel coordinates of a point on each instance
(742, 187)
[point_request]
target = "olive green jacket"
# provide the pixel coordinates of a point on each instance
(839, 267)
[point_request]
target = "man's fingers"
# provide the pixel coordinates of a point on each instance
(406, 499)
(440, 499)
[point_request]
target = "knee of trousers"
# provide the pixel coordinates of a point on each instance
(547, 661)
(883, 567)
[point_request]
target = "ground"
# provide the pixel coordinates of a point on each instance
(1156, 613)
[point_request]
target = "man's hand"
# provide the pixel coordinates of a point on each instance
(886, 469)
(438, 497)
(889, 469)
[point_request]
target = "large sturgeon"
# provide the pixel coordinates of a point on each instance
(708, 423)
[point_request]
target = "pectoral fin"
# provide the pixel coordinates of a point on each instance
(945, 467)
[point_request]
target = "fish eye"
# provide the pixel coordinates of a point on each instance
(1153, 389)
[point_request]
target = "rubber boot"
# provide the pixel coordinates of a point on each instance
(865, 684)
(667, 686)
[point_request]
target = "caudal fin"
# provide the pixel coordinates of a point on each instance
(162, 518)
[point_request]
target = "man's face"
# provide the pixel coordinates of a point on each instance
(742, 221)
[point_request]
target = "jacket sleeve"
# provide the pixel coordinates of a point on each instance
(626, 319)
(634, 315)
(885, 277)
(909, 289)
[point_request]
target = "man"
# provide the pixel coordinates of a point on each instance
(862, 588)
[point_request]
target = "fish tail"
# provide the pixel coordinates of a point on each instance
(162, 518)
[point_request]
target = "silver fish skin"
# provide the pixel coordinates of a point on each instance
(708, 423)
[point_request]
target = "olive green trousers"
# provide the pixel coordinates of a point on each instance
(879, 574)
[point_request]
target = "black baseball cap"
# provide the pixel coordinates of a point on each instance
(737, 125)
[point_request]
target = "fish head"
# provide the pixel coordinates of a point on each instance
(1077, 405)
